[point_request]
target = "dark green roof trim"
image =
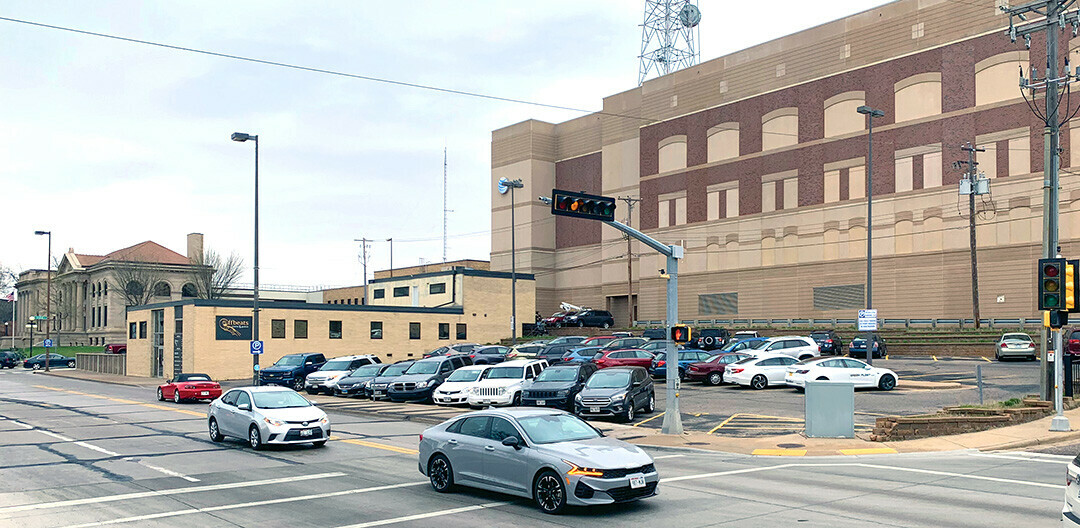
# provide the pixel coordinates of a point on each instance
(460, 271)
(291, 305)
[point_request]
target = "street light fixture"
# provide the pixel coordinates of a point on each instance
(870, 114)
(512, 184)
(48, 296)
(242, 137)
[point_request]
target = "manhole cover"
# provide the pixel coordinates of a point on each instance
(789, 446)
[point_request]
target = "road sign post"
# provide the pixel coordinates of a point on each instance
(256, 349)
(868, 323)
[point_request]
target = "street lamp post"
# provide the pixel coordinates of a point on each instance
(870, 114)
(513, 184)
(48, 296)
(242, 137)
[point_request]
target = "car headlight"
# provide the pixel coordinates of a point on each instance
(422, 385)
(583, 471)
(366, 384)
(578, 397)
(618, 397)
(324, 420)
(275, 423)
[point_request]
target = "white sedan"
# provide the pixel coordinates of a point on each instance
(455, 390)
(760, 371)
(840, 369)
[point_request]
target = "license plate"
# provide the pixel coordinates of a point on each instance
(380, 393)
(541, 402)
(205, 393)
(594, 409)
(308, 432)
(637, 482)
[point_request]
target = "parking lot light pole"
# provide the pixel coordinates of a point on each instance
(870, 114)
(513, 184)
(48, 296)
(242, 137)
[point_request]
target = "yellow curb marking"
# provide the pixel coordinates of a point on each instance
(935, 358)
(986, 360)
(395, 449)
(723, 423)
(779, 452)
(650, 419)
(869, 451)
(886, 356)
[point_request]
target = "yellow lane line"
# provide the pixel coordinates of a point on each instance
(723, 423)
(779, 452)
(650, 419)
(869, 451)
(986, 360)
(395, 449)
(130, 402)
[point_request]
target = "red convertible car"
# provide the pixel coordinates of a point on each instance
(189, 387)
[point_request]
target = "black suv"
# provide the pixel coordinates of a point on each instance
(709, 339)
(358, 382)
(557, 386)
(600, 318)
(9, 359)
(554, 353)
(291, 370)
(420, 380)
(616, 391)
(828, 342)
(381, 384)
(655, 333)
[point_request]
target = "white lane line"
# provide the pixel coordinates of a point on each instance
(191, 511)
(163, 493)
(20, 424)
(96, 448)
(1067, 458)
(732, 472)
(667, 456)
(1020, 458)
(60, 437)
(168, 472)
(106, 452)
(428, 515)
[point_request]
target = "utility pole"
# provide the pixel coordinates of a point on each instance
(363, 261)
(630, 201)
(972, 174)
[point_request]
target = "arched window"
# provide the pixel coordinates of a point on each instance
(134, 289)
(780, 128)
(723, 142)
(918, 96)
(189, 290)
(162, 289)
(672, 154)
(997, 78)
(841, 116)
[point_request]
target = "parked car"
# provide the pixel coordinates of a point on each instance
(556, 386)
(10, 359)
(598, 340)
(1015, 345)
(419, 382)
(658, 367)
(457, 348)
(579, 355)
(623, 334)
(742, 345)
(325, 379)
(619, 391)
(267, 416)
(502, 384)
(291, 370)
(55, 360)
(544, 455)
(557, 319)
(708, 339)
(659, 345)
(358, 382)
(840, 369)
(489, 355)
(623, 358)
(797, 347)
(525, 351)
(380, 384)
(1070, 511)
(745, 334)
(598, 318)
(858, 347)
(455, 390)
(1072, 344)
(828, 342)
(116, 348)
(655, 333)
(620, 343)
(711, 370)
(189, 387)
(554, 353)
(759, 372)
(566, 340)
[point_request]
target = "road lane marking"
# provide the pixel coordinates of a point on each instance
(396, 449)
(869, 451)
(650, 419)
(20, 424)
(168, 472)
(1041, 455)
(779, 452)
(986, 360)
(428, 515)
(60, 437)
(128, 402)
(177, 513)
(96, 448)
(963, 475)
(723, 423)
(725, 473)
(668, 456)
(1021, 458)
(935, 358)
(161, 493)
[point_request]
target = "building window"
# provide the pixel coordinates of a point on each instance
(780, 128)
(335, 329)
(435, 289)
(672, 154)
(841, 116)
(376, 329)
(444, 330)
(414, 330)
(378, 294)
(401, 291)
(105, 318)
(356, 300)
(461, 331)
(917, 96)
(723, 142)
(672, 209)
(277, 328)
(300, 329)
(142, 329)
(995, 77)
(132, 331)
(723, 200)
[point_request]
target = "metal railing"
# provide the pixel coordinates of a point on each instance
(102, 363)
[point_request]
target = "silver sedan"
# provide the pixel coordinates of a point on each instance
(550, 456)
(1015, 345)
(267, 415)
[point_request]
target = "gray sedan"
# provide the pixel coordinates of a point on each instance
(1015, 345)
(550, 456)
(267, 415)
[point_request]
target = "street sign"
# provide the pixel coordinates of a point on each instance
(867, 320)
(256, 347)
(48, 343)
(38, 318)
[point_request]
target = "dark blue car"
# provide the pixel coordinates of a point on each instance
(658, 369)
(580, 355)
(55, 360)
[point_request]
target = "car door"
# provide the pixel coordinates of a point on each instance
(226, 413)
(240, 418)
(859, 373)
(505, 466)
(778, 371)
(642, 358)
(465, 449)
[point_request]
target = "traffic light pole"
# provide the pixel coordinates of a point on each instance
(672, 417)
(1060, 421)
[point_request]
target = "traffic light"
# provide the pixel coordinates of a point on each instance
(581, 205)
(1070, 285)
(680, 333)
(1051, 284)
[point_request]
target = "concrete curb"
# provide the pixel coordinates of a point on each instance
(928, 385)
(100, 380)
(1065, 436)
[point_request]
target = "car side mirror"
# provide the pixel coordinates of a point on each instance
(868, 367)
(512, 441)
(244, 406)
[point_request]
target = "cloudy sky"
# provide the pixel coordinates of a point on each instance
(109, 143)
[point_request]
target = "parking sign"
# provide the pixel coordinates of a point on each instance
(867, 320)
(256, 347)
(48, 343)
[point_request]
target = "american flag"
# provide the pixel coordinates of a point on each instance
(10, 297)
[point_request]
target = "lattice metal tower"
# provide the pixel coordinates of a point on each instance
(669, 37)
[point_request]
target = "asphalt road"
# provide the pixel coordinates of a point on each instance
(78, 453)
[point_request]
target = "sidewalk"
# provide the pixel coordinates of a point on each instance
(114, 379)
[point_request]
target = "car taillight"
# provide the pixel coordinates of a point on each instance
(1003, 345)
(472, 356)
(189, 386)
(736, 370)
(660, 363)
(421, 437)
(801, 371)
(1074, 341)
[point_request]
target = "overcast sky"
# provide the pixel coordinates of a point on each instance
(110, 143)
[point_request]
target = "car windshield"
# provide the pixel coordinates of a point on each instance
(713, 357)
(424, 367)
(817, 335)
(505, 372)
(1016, 337)
(558, 374)
(609, 379)
(337, 364)
(366, 370)
(279, 400)
(438, 351)
(465, 375)
(762, 345)
(289, 361)
(396, 370)
(552, 428)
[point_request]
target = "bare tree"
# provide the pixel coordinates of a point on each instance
(8, 278)
(216, 275)
(135, 281)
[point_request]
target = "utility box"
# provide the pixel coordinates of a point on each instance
(830, 409)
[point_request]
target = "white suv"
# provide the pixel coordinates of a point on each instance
(503, 382)
(326, 378)
(797, 347)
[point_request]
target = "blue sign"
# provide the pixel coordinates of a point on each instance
(256, 347)
(48, 343)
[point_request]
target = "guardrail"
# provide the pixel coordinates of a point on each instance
(1014, 322)
(102, 363)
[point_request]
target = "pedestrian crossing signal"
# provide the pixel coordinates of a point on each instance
(581, 205)
(680, 333)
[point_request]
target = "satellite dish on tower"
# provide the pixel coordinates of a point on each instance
(690, 15)
(504, 185)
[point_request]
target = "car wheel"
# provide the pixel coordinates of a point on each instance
(160, 396)
(254, 438)
(651, 406)
(805, 356)
(759, 382)
(516, 402)
(630, 411)
(440, 474)
(298, 384)
(176, 396)
(549, 493)
(312, 391)
(71, 364)
(37, 366)
(320, 443)
(215, 433)
(715, 378)
(887, 382)
(607, 325)
(581, 324)
(682, 375)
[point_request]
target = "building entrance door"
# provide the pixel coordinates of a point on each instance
(157, 344)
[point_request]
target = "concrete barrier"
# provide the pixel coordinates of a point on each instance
(102, 363)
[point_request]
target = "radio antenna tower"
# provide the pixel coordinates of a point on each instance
(669, 37)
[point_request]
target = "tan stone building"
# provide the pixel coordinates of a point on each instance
(755, 162)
